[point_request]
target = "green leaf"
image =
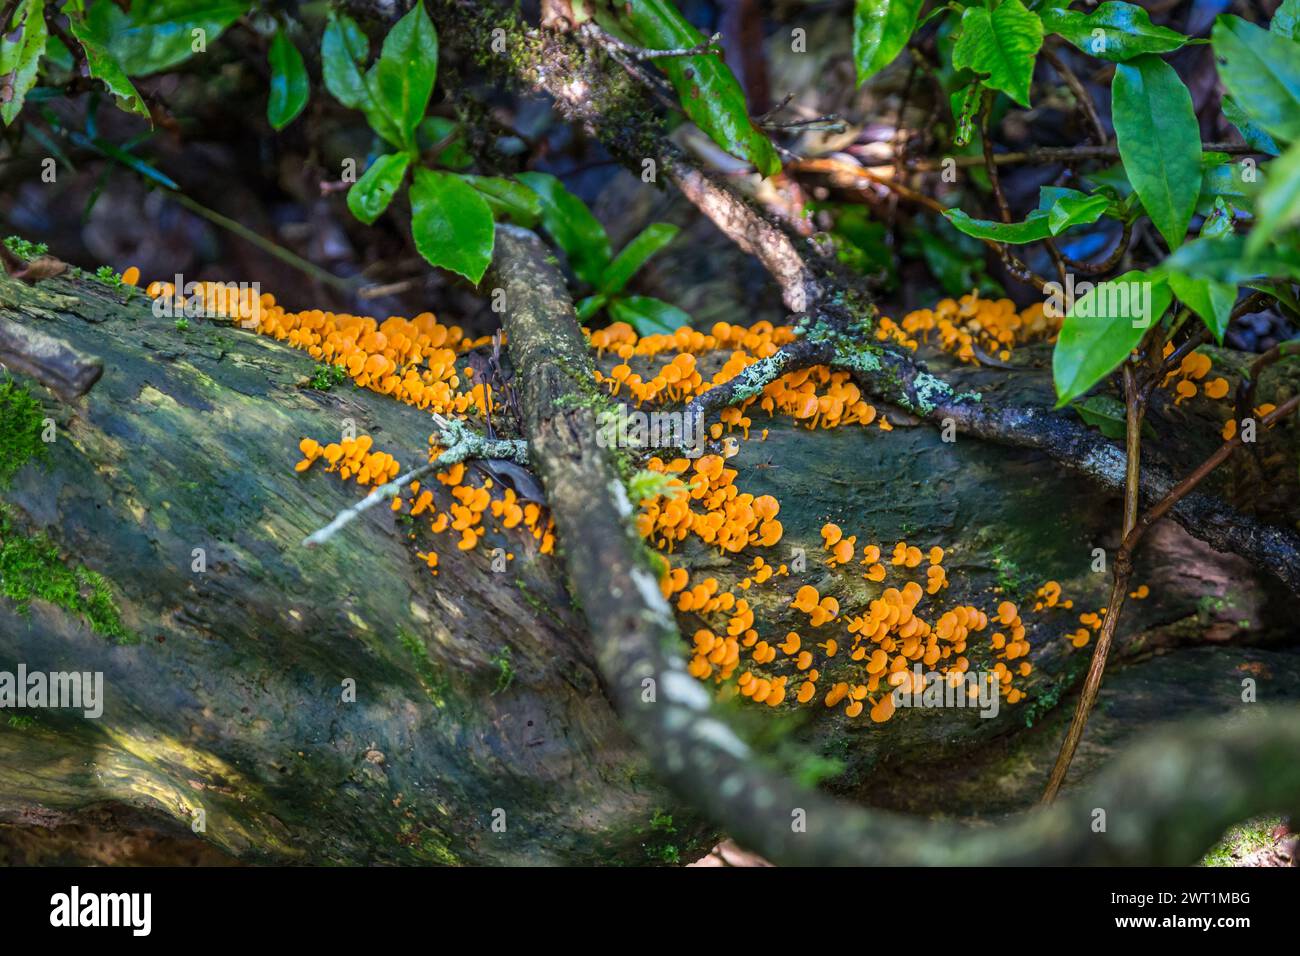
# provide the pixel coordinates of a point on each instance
(1059, 209)
(881, 28)
(1159, 142)
(21, 50)
(452, 224)
(1105, 413)
(1102, 327)
(1286, 21)
(371, 194)
(589, 306)
(158, 34)
(1250, 131)
(105, 68)
(1225, 260)
(647, 315)
(1212, 301)
(1229, 183)
(1278, 205)
(1002, 43)
(401, 81)
(1126, 31)
(344, 51)
(289, 84)
(508, 198)
(446, 139)
(709, 91)
(570, 223)
(634, 255)
(1262, 72)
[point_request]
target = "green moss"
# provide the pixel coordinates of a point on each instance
(435, 687)
(505, 670)
(21, 721)
(1243, 839)
(31, 568)
(24, 249)
(109, 277)
(326, 377)
(22, 419)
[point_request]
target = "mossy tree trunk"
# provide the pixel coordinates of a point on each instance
(475, 690)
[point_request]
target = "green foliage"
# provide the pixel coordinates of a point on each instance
(634, 255)
(156, 34)
(1278, 204)
(1126, 31)
(1224, 259)
(881, 28)
(1058, 209)
(371, 194)
(507, 198)
(1104, 413)
(290, 86)
(326, 377)
(22, 420)
(451, 223)
(1159, 142)
(25, 249)
(31, 568)
(22, 44)
(1001, 42)
(109, 276)
(401, 81)
(1286, 21)
(1103, 326)
(1261, 70)
(709, 92)
(505, 670)
(573, 227)
(182, 324)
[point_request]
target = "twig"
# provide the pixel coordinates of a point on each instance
(1135, 408)
(1081, 96)
(609, 41)
(461, 444)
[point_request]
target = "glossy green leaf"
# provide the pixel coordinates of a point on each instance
(444, 140)
(589, 306)
(634, 255)
(647, 315)
(1286, 21)
(289, 84)
(1278, 205)
(1059, 209)
(1105, 413)
(1159, 142)
(1104, 325)
(1250, 131)
(1262, 72)
(452, 223)
(371, 194)
(881, 28)
(21, 49)
(508, 199)
(1114, 31)
(709, 92)
(158, 34)
(105, 68)
(571, 225)
(1225, 260)
(1235, 183)
(344, 51)
(1001, 43)
(401, 81)
(1211, 300)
